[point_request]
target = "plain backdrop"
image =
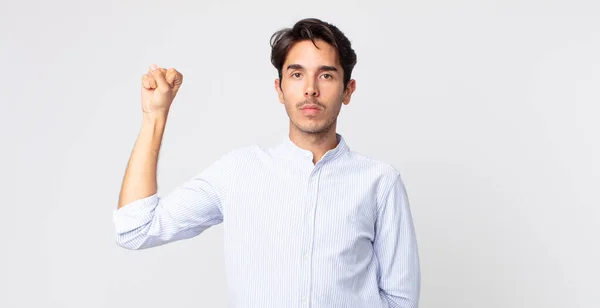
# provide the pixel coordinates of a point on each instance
(488, 109)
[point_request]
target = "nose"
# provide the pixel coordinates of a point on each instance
(311, 89)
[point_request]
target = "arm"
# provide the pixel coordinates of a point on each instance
(185, 212)
(396, 249)
(159, 88)
(140, 176)
(142, 219)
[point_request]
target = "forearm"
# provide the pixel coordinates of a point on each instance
(139, 180)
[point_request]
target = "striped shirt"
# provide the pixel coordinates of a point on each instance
(338, 233)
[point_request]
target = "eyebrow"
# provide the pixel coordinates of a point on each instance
(327, 68)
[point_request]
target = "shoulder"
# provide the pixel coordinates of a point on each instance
(240, 153)
(228, 164)
(366, 163)
(385, 174)
(241, 157)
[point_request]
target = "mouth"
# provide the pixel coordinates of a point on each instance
(310, 109)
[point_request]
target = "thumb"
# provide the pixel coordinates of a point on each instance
(159, 76)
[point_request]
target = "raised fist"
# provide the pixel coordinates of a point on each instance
(159, 87)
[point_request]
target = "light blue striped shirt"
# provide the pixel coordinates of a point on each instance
(338, 233)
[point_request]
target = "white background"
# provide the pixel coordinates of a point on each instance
(489, 110)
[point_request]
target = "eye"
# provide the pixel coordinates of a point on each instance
(327, 76)
(296, 75)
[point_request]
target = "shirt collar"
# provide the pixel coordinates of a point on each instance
(291, 149)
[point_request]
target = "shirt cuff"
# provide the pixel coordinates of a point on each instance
(135, 214)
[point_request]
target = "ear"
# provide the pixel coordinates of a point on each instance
(349, 90)
(278, 89)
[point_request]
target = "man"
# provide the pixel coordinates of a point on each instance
(307, 223)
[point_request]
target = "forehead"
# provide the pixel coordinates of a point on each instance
(308, 55)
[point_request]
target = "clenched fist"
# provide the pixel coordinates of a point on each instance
(159, 87)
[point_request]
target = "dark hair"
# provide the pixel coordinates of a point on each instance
(312, 29)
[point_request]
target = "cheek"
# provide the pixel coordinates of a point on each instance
(332, 89)
(292, 88)
(332, 97)
(292, 93)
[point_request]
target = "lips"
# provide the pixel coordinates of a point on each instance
(310, 107)
(310, 110)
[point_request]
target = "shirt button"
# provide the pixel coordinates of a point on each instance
(306, 256)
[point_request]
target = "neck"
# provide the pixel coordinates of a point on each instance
(317, 143)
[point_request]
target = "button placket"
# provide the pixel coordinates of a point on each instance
(309, 235)
(313, 183)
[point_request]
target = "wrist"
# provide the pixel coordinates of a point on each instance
(153, 124)
(155, 117)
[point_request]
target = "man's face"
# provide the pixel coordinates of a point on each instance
(312, 87)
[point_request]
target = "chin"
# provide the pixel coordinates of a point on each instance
(312, 131)
(312, 128)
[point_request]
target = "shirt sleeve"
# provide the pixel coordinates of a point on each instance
(396, 249)
(185, 212)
